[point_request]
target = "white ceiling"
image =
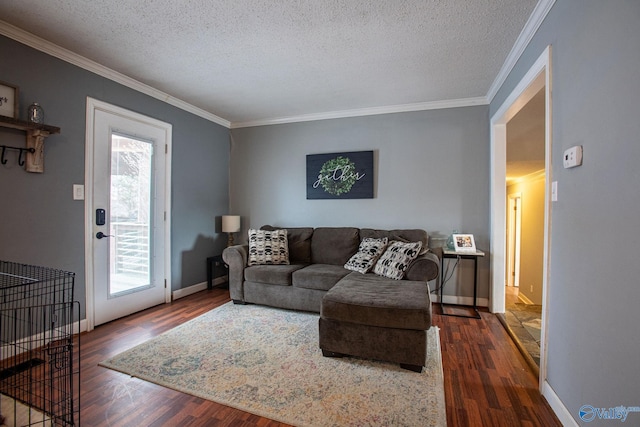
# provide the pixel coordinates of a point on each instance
(263, 61)
(526, 139)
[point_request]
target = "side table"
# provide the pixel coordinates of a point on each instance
(451, 254)
(214, 263)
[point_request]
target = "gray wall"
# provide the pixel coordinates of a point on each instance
(593, 285)
(41, 224)
(432, 172)
(532, 236)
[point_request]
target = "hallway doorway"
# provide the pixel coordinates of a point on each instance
(525, 189)
(532, 282)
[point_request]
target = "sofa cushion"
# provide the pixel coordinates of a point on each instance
(367, 299)
(396, 259)
(319, 276)
(268, 247)
(299, 240)
(334, 245)
(271, 274)
(408, 235)
(368, 253)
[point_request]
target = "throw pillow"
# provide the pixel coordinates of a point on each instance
(268, 247)
(396, 259)
(368, 253)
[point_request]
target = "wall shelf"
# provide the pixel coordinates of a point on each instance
(36, 134)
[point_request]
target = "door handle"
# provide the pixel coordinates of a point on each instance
(101, 235)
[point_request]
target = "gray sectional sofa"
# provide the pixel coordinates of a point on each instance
(316, 263)
(366, 315)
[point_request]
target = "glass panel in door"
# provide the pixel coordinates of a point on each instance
(131, 215)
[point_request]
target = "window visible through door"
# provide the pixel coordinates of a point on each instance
(130, 220)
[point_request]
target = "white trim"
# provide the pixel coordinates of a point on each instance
(92, 106)
(460, 300)
(88, 214)
(202, 286)
(25, 344)
(514, 239)
(538, 77)
(533, 23)
(523, 298)
(527, 178)
(558, 407)
(185, 292)
(360, 112)
(66, 55)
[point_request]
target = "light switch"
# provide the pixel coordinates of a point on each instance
(554, 191)
(78, 192)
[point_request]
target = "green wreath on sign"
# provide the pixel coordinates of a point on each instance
(337, 175)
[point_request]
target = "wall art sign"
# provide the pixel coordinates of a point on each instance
(340, 175)
(8, 100)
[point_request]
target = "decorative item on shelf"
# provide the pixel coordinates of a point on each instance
(450, 244)
(8, 100)
(437, 241)
(36, 113)
(36, 133)
(464, 243)
(230, 225)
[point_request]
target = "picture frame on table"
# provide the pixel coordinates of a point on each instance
(464, 243)
(8, 100)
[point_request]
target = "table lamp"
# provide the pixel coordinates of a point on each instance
(230, 225)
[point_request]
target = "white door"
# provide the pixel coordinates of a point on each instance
(128, 194)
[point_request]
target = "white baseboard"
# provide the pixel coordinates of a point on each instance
(523, 298)
(83, 326)
(557, 406)
(181, 293)
(458, 300)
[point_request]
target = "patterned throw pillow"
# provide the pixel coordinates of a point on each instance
(368, 253)
(268, 247)
(395, 261)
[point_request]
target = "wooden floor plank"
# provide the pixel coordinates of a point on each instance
(487, 381)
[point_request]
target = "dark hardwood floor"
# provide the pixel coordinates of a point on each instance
(487, 381)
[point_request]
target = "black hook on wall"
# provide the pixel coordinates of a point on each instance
(22, 151)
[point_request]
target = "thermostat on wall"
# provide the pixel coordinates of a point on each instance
(572, 157)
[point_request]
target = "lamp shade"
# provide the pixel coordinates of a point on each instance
(230, 223)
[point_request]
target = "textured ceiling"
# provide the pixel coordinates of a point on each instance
(525, 139)
(258, 60)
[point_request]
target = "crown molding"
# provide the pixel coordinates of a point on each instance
(66, 55)
(527, 178)
(360, 112)
(530, 28)
(533, 23)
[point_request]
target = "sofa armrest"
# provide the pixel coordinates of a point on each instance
(426, 267)
(236, 258)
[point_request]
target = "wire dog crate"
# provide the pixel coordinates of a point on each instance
(39, 356)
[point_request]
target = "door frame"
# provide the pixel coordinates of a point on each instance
(92, 106)
(514, 228)
(538, 77)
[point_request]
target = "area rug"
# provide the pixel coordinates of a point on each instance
(267, 362)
